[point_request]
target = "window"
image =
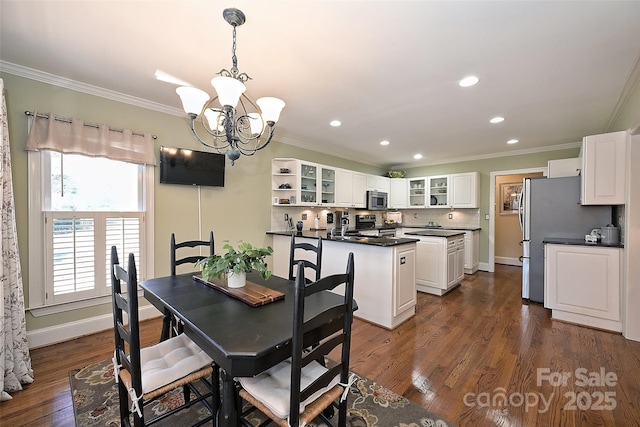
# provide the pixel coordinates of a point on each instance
(82, 207)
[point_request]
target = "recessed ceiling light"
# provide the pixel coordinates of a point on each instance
(497, 120)
(335, 123)
(469, 81)
(385, 142)
(417, 156)
(512, 141)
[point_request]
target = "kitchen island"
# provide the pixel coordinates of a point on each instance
(471, 242)
(385, 281)
(441, 259)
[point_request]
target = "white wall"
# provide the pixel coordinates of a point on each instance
(631, 322)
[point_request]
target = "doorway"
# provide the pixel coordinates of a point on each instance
(501, 216)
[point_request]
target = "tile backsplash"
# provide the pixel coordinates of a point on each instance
(459, 217)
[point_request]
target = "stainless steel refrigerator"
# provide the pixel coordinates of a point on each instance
(550, 207)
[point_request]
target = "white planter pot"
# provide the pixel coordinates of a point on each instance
(236, 280)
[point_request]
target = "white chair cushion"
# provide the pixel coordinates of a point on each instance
(272, 386)
(169, 361)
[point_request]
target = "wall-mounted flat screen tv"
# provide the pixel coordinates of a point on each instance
(191, 167)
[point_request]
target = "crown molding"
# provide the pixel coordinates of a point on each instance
(52, 79)
(491, 155)
(89, 89)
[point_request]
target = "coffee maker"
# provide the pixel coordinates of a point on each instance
(341, 219)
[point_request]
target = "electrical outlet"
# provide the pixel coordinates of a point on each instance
(486, 217)
(450, 216)
(286, 217)
(415, 215)
(304, 217)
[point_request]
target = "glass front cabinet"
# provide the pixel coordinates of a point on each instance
(308, 184)
(317, 185)
(438, 191)
(417, 192)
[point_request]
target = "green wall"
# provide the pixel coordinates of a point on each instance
(239, 211)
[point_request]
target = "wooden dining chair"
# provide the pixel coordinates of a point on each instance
(171, 326)
(144, 374)
(302, 251)
(311, 387)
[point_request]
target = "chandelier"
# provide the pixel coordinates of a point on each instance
(231, 129)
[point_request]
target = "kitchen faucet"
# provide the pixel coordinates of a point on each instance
(345, 224)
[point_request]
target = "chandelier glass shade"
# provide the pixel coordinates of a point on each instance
(230, 122)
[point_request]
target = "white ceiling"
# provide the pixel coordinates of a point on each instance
(557, 71)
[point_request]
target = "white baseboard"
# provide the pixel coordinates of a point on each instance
(67, 331)
(484, 266)
(508, 261)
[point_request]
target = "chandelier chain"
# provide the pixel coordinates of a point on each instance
(234, 58)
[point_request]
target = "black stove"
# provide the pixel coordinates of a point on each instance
(365, 222)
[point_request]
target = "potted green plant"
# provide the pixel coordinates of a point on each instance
(236, 263)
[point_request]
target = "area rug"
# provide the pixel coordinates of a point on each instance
(95, 403)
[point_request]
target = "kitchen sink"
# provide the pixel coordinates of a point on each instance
(354, 238)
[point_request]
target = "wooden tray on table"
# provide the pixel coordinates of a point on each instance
(253, 294)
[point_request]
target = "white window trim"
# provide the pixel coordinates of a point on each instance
(36, 302)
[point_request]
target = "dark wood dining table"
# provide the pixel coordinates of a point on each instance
(241, 339)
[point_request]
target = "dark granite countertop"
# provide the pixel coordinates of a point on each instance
(436, 233)
(441, 227)
(362, 240)
(577, 242)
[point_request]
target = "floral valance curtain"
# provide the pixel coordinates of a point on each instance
(73, 136)
(15, 363)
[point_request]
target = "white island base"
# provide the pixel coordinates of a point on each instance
(385, 284)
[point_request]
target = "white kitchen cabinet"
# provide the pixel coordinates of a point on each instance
(378, 183)
(317, 185)
(398, 194)
(350, 189)
(582, 285)
(440, 263)
(464, 190)
(604, 169)
(404, 289)
(438, 191)
(455, 261)
(358, 189)
(471, 251)
(385, 280)
(417, 192)
(308, 183)
(564, 167)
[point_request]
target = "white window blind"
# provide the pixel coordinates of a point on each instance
(78, 251)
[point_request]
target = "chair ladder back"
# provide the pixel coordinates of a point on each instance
(129, 304)
(306, 247)
(188, 244)
(321, 330)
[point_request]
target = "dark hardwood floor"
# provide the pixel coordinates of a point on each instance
(474, 356)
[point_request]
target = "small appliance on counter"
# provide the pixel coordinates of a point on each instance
(609, 235)
(592, 237)
(394, 218)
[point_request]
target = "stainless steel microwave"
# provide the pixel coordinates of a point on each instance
(376, 200)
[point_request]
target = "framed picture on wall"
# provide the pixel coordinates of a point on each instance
(509, 197)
